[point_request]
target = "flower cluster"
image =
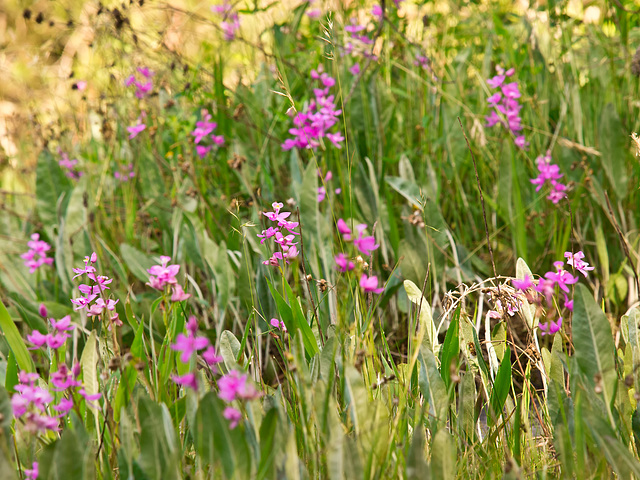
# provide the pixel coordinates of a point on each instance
(94, 292)
(322, 190)
(125, 174)
(359, 44)
(230, 20)
(143, 88)
(550, 173)
(506, 102)
(286, 245)
(69, 165)
(165, 274)
(321, 115)
(235, 386)
(204, 129)
(545, 288)
(30, 404)
(36, 256)
(55, 339)
(365, 245)
(189, 345)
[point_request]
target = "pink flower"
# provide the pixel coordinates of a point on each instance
(42, 310)
(322, 193)
(279, 324)
(236, 385)
(189, 344)
(31, 473)
(496, 81)
(495, 98)
(343, 264)
(377, 11)
(568, 304)
(188, 380)
(522, 284)
(365, 244)
(344, 229)
(81, 85)
(37, 339)
(370, 284)
(210, 356)
(163, 274)
(178, 294)
(234, 416)
(37, 254)
(562, 277)
(134, 130)
(575, 260)
(550, 327)
(355, 70)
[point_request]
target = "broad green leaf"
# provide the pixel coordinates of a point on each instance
(158, 446)
(310, 343)
(229, 349)
(450, 350)
(432, 386)
(426, 319)
(417, 467)
(593, 342)
(268, 445)
(407, 189)
(89, 362)
(501, 386)
(613, 140)
(15, 341)
(214, 442)
(51, 185)
(137, 261)
(443, 456)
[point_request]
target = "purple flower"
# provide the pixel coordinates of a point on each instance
(189, 344)
(365, 244)
(134, 130)
(343, 264)
(178, 294)
(522, 284)
(575, 260)
(37, 254)
(234, 416)
(187, 380)
(550, 327)
(370, 284)
(322, 193)
(344, 229)
(236, 385)
(279, 324)
(496, 81)
(211, 357)
(377, 11)
(163, 274)
(31, 473)
(355, 69)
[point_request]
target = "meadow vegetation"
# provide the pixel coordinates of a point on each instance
(320, 239)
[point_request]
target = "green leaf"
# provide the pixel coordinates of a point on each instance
(158, 445)
(501, 386)
(15, 341)
(406, 188)
(137, 261)
(310, 343)
(593, 342)
(51, 184)
(89, 362)
(443, 456)
(268, 448)
(215, 442)
(417, 467)
(450, 350)
(426, 319)
(613, 140)
(432, 386)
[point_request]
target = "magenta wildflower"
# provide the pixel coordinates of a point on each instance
(377, 11)
(287, 249)
(279, 324)
(188, 345)
(163, 274)
(550, 327)
(562, 277)
(69, 165)
(231, 21)
(344, 229)
(344, 265)
(134, 130)
(211, 357)
(179, 294)
(523, 284)
(234, 416)
(42, 310)
(549, 173)
(236, 385)
(506, 102)
(355, 69)
(31, 473)
(575, 260)
(370, 284)
(37, 254)
(187, 380)
(365, 244)
(315, 123)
